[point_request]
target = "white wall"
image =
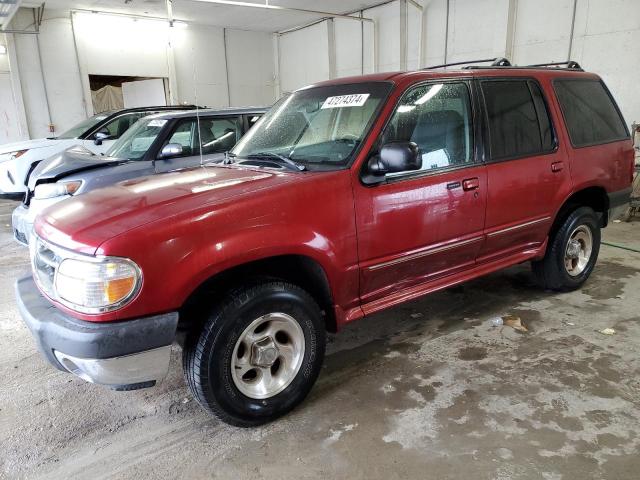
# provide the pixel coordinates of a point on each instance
(9, 130)
(191, 57)
(250, 64)
(303, 57)
(61, 87)
(199, 58)
(606, 40)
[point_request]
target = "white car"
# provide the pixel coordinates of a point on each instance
(17, 160)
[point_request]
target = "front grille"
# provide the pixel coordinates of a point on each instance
(45, 263)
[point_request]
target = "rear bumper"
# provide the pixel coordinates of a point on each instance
(618, 203)
(122, 355)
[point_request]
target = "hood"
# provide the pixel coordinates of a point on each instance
(84, 222)
(27, 145)
(72, 160)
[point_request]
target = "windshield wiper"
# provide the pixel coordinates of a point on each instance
(285, 161)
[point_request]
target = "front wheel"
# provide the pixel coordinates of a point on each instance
(258, 354)
(572, 252)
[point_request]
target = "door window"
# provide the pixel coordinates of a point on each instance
(518, 125)
(590, 113)
(437, 117)
(219, 134)
(117, 127)
(216, 134)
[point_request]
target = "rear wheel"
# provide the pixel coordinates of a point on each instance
(572, 252)
(258, 354)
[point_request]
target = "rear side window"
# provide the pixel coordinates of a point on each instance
(519, 123)
(589, 112)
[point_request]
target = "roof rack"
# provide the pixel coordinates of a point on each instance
(495, 62)
(570, 64)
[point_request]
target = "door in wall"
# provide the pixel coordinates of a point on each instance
(144, 93)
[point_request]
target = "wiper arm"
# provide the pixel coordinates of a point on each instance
(286, 161)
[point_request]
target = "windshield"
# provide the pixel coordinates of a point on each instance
(80, 128)
(319, 127)
(136, 141)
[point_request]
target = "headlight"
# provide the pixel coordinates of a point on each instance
(18, 153)
(96, 286)
(50, 190)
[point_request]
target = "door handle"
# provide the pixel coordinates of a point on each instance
(471, 184)
(557, 166)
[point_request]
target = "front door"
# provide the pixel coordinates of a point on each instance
(202, 139)
(421, 225)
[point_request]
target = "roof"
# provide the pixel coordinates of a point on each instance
(474, 72)
(150, 109)
(210, 112)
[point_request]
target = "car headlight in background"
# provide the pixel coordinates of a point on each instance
(58, 189)
(96, 286)
(18, 153)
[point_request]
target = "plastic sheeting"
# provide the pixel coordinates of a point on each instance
(107, 98)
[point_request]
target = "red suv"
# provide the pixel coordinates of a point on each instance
(347, 197)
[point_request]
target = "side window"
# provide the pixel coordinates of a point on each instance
(589, 112)
(118, 126)
(437, 117)
(219, 134)
(185, 134)
(252, 119)
(216, 135)
(514, 127)
(547, 136)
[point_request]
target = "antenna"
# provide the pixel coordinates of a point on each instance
(195, 95)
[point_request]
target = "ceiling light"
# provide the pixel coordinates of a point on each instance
(433, 91)
(3, 50)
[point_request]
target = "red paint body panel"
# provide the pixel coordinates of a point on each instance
(378, 245)
(406, 230)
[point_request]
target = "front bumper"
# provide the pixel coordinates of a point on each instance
(23, 217)
(122, 355)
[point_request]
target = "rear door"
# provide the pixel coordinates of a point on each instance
(421, 225)
(528, 176)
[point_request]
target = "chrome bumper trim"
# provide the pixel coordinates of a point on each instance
(146, 368)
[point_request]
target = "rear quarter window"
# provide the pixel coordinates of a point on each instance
(590, 113)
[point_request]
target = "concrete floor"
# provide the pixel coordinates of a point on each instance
(426, 390)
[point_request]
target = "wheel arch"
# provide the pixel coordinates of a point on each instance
(594, 196)
(299, 269)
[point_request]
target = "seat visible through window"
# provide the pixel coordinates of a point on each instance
(436, 117)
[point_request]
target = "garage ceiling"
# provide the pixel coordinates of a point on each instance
(245, 18)
(7, 10)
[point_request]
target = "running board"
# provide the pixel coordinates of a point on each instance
(422, 289)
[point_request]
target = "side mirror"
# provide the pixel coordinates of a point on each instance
(101, 136)
(395, 157)
(170, 150)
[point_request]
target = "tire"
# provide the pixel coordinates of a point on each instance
(289, 320)
(558, 270)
